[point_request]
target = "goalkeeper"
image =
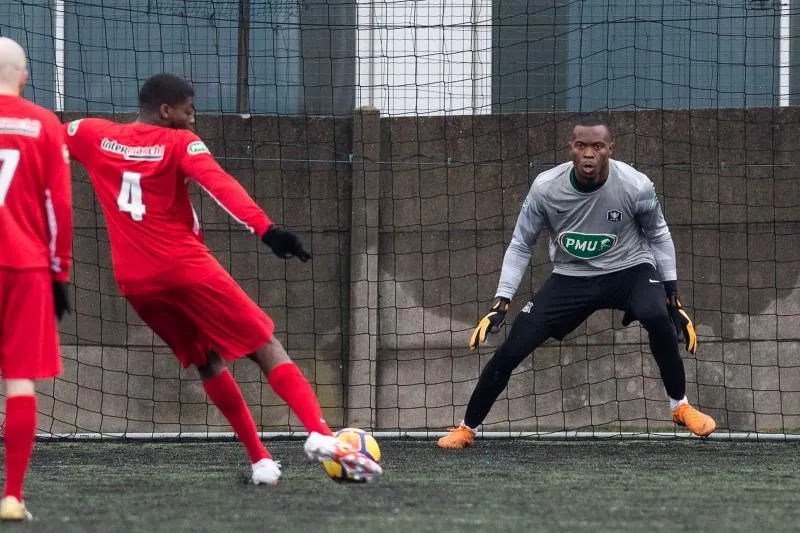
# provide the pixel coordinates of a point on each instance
(611, 249)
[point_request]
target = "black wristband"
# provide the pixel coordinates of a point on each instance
(671, 286)
(269, 228)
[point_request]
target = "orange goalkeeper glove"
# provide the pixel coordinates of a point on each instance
(491, 323)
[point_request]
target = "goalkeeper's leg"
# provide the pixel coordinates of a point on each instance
(557, 309)
(523, 339)
(647, 305)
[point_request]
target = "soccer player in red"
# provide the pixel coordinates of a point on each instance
(35, 255)
(140, 172)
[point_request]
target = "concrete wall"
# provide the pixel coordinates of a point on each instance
(408, 219)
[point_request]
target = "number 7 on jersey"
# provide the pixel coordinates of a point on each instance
(9, 159)
(130, 196)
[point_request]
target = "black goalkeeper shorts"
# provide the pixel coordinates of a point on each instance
(564, 302)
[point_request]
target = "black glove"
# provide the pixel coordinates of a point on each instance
(683, 324)
(491, 323)
(61, 299)
(285, 244)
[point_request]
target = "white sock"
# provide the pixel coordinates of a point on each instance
(473, 430)
(673, 404)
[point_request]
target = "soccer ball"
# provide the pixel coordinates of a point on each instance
(361, 441)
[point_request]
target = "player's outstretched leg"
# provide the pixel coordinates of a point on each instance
(225, 393)
(492, 381)
(288, 382)
(19, 432)
(525, 336)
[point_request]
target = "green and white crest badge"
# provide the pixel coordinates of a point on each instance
(197, 147)
(72, 128)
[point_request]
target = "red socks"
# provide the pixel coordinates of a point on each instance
(20, 429)
(227, 396)
(289, 383)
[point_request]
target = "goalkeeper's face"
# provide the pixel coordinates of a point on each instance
(591, 148)
(179, 116)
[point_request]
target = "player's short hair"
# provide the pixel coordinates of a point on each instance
(164, 89)
(590, 121)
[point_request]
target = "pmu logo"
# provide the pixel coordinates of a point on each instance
(586, 245)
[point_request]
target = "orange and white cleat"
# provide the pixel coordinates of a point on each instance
(458, 438)
(698, 423)
(328, 448)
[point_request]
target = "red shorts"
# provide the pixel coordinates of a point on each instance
(212, 314)
(28, 335)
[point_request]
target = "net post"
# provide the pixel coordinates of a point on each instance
(363, 313)
(784, 53)
(58, 50)
(242, 58)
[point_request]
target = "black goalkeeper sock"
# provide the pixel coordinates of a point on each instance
(493, 380)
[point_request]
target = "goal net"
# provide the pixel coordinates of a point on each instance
(399, 138)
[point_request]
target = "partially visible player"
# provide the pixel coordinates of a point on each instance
(35, 256)
(611, 249)
(141, 173)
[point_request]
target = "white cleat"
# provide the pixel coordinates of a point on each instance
(14, 510)
(266, 472)
(322, 448)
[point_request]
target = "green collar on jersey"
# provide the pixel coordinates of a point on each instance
(582, 188)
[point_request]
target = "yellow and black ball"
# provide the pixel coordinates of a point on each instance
(360, 441)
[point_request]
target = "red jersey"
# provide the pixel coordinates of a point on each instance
(35, 190)
(141, 175)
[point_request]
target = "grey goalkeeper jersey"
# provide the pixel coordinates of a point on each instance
(612, 228)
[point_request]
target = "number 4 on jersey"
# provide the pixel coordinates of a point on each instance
(130, 196)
